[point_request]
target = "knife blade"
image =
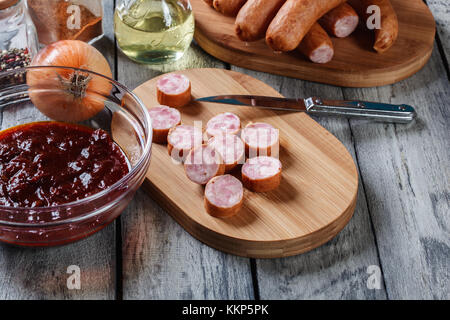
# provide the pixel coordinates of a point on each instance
(401, 113)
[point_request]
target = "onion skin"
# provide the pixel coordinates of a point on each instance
(64, 94)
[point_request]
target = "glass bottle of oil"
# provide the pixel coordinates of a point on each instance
(154, 31)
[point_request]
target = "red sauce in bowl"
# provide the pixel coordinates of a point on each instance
(50, 163)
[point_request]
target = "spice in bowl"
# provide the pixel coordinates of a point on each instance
(14, 59)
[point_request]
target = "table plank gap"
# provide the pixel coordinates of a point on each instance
(407, 184)
(441, 13)
(118, 222)
(338, 269)
(255, 283)
(368, 208)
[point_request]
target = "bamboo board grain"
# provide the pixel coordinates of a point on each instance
(355, 63)
(319, 185)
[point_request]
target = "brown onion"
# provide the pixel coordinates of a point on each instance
(63, 94)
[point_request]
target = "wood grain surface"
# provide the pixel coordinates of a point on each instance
(355, 63)
(314, 202)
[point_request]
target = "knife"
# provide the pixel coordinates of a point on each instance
(401, 113)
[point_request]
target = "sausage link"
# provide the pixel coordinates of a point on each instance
(228, 7)
(341, 21)
(294, 20)
(254, 18)
(386, 36)
(209, 2)
(317, 45)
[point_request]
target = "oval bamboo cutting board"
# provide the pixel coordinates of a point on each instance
(317, 195)
(355, 63)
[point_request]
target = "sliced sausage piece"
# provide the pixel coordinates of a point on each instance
(260, 139)
(228, 7)
(341, 21)
(163, 118)
(224, 196)
(294, 20)
(386, 36)
(203, 163)
(317, 45)
(254, 18)
(182, 139)
(231, 148)
(226, 122)
(261, 174)
(173, 90)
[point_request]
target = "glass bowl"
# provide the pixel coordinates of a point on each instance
(123, 116)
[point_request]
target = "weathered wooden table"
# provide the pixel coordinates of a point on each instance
(400, 230)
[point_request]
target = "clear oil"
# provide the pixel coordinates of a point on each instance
(154, 31)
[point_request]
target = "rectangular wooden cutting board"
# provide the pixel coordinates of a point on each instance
(319, 184)
(355, 63)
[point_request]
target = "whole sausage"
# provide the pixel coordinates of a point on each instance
(386, 35)
(254, 18)
(341, 21)
(228, 7)
(294, 20)
(209, 2)
(317, 45)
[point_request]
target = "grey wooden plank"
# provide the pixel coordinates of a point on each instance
(406, 178)
(441, 13)
(337, 270)
(41, 273)
(160, 259)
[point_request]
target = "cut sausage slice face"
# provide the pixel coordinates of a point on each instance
(223, 123)
(182, 139)
(261, 174)
(203, 163)
(341, 21)
(173, 90)
(261, 139)
(163, 119)
(317, 45)
(231, 148)
(224, 196)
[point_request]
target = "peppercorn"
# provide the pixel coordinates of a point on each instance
(13, 59)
